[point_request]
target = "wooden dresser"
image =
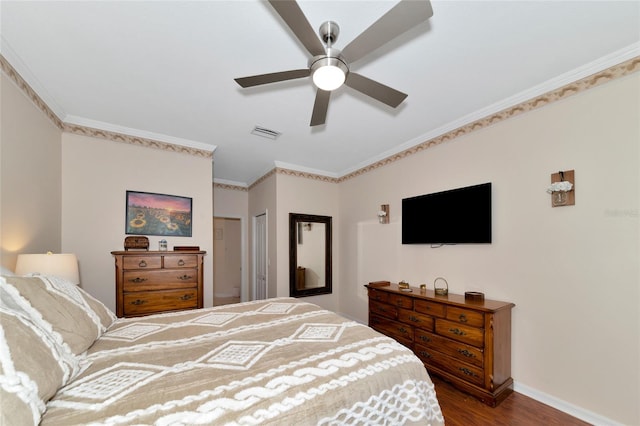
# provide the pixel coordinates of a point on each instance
(149, 282)
(466, 343)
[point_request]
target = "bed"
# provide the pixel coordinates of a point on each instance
(65, 360)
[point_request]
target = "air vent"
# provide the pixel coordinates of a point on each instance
(265, 133)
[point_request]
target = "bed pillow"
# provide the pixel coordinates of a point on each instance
(76, 318)
(33, 366)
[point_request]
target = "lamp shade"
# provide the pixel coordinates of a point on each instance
(63, 265)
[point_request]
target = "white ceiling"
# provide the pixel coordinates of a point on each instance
(165, 70)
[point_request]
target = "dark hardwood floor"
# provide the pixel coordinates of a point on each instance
(460, 409)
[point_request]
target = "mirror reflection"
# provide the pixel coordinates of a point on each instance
(309, 254)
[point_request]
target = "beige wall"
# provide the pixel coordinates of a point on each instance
(96, 175)
(573, 272)
(30, 177)
(300, 195)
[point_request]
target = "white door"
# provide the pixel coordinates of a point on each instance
(260, 251)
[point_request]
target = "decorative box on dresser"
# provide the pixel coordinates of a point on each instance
(467, 343)
(150, 282)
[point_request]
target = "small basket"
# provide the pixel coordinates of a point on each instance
(441, 291)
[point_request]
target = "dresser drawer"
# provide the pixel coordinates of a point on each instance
(141, 303)
(415, 319)
(465, 316)
(453, 348)
(431, 308)
(465, 371)
(401, 301)
(160, 279)
(462, 333)
(186, 261)
(380, 296)
(383, 309)
(399, 331)
(142, 262)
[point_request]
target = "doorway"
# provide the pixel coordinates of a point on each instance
(227, 260)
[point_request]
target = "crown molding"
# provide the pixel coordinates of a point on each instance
(109, 128)
(536, 97)
(23, 86)
(615, 65)
(86, 127)
(28, 83)
(230, 185)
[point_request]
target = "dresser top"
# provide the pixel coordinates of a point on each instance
(450, 299)
(155, 252)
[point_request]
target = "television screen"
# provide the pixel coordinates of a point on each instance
(457, 216)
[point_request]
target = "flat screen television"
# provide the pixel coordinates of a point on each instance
(456, 216)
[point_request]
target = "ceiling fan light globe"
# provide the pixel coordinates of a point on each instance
(328, 77)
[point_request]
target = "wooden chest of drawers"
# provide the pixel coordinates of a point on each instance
(467, 343)
(149, 282)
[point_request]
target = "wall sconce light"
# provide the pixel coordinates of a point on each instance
(562, 188)
(61, 265)
(383, 214)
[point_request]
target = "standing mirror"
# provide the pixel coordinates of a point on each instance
(309, 255)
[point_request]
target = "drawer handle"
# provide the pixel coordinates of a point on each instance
(138, 280)
(187, 297)
(142, 264)
(425, 354)
(138, 302)
(462, 318)
(414, 318)
(468, 372)
(466, 353)
(399, 302)
(180, 262)
(380, 309)
(457, 331)
(403, 330)
(425, 338)
(185, 277)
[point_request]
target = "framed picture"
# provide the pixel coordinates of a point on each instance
(158, 214)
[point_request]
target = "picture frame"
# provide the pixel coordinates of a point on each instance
(149, 213)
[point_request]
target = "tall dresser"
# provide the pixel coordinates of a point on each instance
(150, 282)
(467, 343)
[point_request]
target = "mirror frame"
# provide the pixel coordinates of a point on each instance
(294, 219)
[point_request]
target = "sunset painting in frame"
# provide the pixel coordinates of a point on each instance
(158, 214)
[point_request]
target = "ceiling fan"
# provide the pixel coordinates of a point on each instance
(329, 67)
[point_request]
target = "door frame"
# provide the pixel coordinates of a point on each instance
(244, 288)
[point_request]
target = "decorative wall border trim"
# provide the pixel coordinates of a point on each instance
(230, 187)
(11, 72)
(134, 140)
(263, 178)
(625, 68)
(13, 75)
(620, 70)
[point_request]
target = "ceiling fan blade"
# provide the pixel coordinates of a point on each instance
(274, 77)
(400, 19)
(378, 91)
(320, 106)
(295, 19)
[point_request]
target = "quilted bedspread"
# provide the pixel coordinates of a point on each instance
(278, 361)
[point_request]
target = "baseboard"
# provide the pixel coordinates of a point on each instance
(574, 410)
